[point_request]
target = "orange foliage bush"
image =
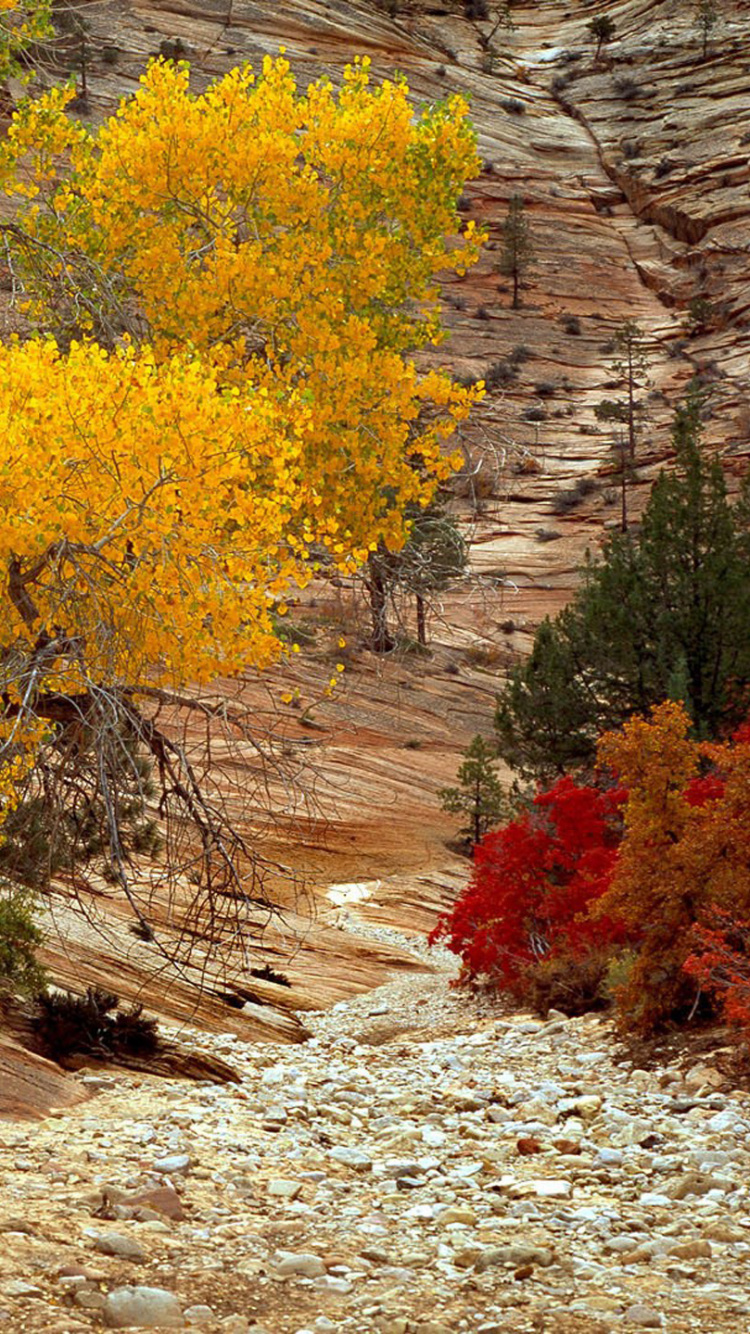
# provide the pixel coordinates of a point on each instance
(685, 852)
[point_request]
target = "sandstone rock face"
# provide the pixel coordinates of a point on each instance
(31, 1086)
(634, 170)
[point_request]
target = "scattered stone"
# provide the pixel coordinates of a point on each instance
(198, 1315)
(282, 1189)
(645, 1316)
(143, 1308)
(113, 1243)
(177, 1164)
(298, 1266)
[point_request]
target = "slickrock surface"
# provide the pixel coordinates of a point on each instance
(634, 171)
(428, 1162)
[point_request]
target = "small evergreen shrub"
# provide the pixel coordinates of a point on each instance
(69, 1025)
(19, 939)
(571, 324)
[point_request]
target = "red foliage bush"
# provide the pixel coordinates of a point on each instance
(532, 884)
(720, 963)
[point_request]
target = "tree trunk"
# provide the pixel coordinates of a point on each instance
(516, 285)
(421, 621)
(381, 641)
(631, 406)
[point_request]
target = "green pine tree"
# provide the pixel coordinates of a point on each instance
(517, 253)
(665, 611)
(479, 794)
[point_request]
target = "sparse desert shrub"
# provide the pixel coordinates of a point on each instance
(513, 105)
(268, 974)
(663, 168)
(574, 984)
(545, 389)
(534, 415)
(699, 314)
(568, 498)
(68, 1025)
(547, 534)
(478, 11)
(525, 465)
(571, 324)
(499, 374)
(627, 88)
(519, 355)
(485, 655)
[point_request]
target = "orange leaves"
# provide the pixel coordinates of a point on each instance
(685, 850)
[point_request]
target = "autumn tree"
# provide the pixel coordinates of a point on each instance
(685, 852)
(479, 795)
(663, 614)
(233, 284)
(23, 23)
(531, 885)
(517, 252)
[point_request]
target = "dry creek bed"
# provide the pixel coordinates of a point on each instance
(428, 1163)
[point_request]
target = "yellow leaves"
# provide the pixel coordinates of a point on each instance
(291, 239)
(126, 470)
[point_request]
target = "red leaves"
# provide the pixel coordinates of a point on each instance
(720, 964)
(533, 882)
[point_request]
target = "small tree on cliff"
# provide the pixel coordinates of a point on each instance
(602, 29)
(518, 251)
(630, 364)
(434, 554)
(479, 794)
(705, 16)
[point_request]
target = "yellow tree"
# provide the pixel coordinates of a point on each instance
(23, 23)
(233, 286)
(293, 239)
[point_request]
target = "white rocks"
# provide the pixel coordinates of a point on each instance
(389, 1190)
(283, 1189)
(644, 1316)
(143, 1308)
(176, 1164)
(198, 1315)
(304, 1265)
(543, 1187)
(351, 1157)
